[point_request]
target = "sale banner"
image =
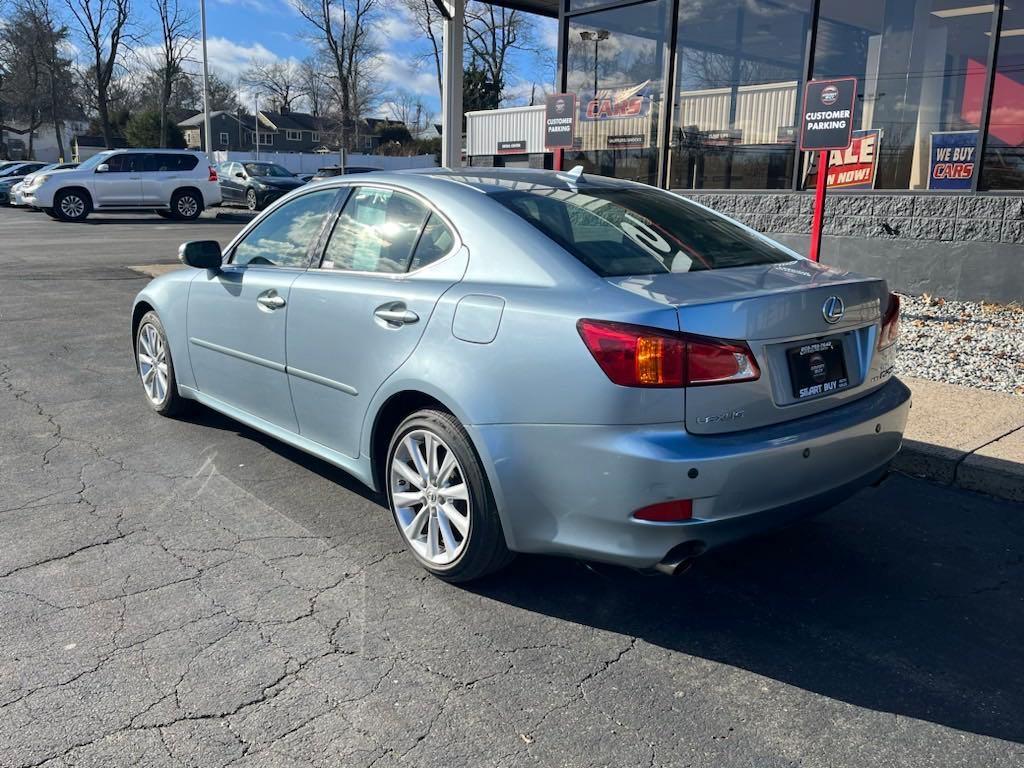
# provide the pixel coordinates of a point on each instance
(952, 160)
(855, 166)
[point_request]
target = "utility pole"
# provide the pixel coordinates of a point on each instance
(257, 97)
(206, 86)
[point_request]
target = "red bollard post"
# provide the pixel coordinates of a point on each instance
(819, 205)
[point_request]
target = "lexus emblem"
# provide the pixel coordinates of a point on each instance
(833, 309)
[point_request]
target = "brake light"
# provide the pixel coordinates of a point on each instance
(890, 323)
(213, 173)
(638, 356)
(666, 511)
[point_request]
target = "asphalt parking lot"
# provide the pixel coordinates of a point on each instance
(191, 593)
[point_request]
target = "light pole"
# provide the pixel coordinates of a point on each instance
(206, 85)
(597, 36)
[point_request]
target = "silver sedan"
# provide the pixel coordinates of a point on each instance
(531, 361)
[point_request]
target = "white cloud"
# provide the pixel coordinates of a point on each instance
(231, 58)
(401, 73)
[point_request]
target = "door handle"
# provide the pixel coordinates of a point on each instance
(396, 314)
(270, 300)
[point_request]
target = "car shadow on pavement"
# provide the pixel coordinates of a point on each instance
(913, 608)
(905, 599)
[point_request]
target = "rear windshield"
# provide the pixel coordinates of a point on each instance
(618, 232)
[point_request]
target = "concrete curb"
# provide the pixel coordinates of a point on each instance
(966, 438)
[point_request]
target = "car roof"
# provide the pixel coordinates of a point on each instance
(493, 180)
(488, 180)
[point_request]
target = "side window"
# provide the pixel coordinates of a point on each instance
(126, 163)
(435, 243)
(283, 238)
(376, 232)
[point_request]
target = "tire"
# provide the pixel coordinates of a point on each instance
(251, 201)
(186, 205)
(161, 392)
(71, 205)
(457, 538)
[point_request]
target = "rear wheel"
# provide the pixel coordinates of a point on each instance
(186, 205)
(156, 369)
(71, 205)
(441, 500)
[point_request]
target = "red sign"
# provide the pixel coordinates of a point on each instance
(855, 166)
(614, 103)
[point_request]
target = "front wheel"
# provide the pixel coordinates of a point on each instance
(251, 202)
(72, 205)
(441, 500)
(156, 369)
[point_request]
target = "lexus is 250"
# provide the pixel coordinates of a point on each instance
(532, 361)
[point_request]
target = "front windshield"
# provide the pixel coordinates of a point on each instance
(13, 170)
(95, 160)
(266, 169)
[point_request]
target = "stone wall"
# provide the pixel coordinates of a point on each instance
(941, 218)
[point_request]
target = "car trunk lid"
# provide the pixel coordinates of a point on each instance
(809, 363)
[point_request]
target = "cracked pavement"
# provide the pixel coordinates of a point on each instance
(191, 593)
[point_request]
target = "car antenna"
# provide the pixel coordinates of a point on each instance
(573, 176)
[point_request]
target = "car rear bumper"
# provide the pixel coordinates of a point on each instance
(571, 489)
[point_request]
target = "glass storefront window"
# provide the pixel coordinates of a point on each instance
(738, 83)
(1004, 149)
(920, 66)
(615, 63)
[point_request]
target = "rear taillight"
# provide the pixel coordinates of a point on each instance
(213, 173)
(638, 356)
(890, 323)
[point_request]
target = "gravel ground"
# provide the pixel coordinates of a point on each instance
(961, 342)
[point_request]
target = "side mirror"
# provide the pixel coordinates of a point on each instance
(201, 254)
(102, 168)
(239, 175)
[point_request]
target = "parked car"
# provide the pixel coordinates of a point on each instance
(530, 361)
(255, 185)
(20, 190)
(12, 175)
(336, 170)
(177, 184)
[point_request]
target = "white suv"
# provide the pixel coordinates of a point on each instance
(175, 183)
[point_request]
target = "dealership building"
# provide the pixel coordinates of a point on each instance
(705, 97)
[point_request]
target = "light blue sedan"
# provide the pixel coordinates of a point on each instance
(530, 361)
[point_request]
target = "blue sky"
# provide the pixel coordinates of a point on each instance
(240, 30)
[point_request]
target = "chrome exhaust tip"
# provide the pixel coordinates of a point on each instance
(674, 567)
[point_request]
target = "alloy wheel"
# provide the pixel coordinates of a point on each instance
(72, 206)
(430, 497)
(152, 355)
(187, 206)
(250, 200)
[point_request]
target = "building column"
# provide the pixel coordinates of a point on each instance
(454, 12)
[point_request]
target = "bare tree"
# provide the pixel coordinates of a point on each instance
(280, 80)
(493, 33)
(103, 25)
(429, 22)
(408, 108)
(177, 39)
(314, 84)
(343, 28)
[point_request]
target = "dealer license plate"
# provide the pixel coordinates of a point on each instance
(817, 368)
